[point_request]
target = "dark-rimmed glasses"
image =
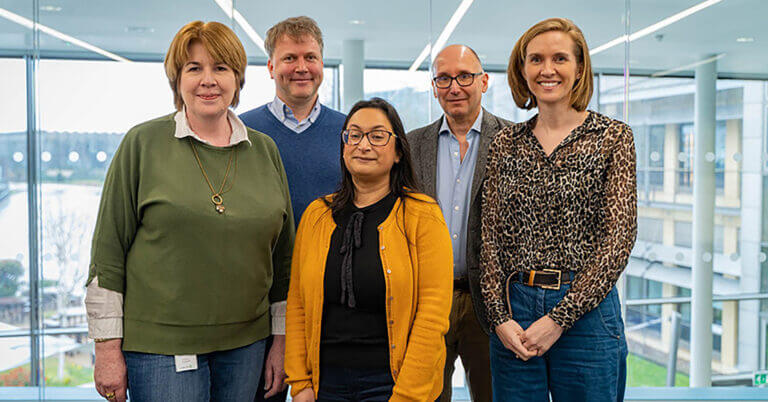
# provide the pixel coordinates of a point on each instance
(463, 79)
(377, 138)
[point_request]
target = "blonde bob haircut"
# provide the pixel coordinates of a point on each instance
(582, 88)
(220, 42)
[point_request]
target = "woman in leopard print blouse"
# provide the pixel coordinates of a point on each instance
(559, 222)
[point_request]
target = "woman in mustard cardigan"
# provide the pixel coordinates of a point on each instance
(371, 278)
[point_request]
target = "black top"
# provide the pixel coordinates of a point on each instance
(354, 329)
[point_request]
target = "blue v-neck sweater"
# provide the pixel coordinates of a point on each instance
(311, 158)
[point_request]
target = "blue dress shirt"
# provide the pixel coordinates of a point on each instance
(284, 114)
(454, 187)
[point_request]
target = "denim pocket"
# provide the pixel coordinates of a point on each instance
(521, 303)
(610, 315)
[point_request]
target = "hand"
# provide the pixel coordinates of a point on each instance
(541, 335)
(509, 333)
(109, 373)
(306, 395)
(274, 372)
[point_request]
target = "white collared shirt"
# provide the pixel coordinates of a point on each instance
(239, 132)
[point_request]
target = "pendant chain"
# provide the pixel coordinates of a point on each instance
(216, 197)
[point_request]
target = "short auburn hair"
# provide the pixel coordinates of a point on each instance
(582, 89)
(222, 44)
(296, 28)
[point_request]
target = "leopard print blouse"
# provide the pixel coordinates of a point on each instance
(573, 210)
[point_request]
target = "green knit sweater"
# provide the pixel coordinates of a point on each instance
(194, 281)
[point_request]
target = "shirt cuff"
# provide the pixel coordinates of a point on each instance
(105, 311)
(105, 328)
(278, 317)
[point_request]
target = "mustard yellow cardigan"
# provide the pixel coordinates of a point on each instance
(419, 284)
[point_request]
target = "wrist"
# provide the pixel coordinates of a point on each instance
(109, 344)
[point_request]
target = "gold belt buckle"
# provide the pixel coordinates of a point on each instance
(559, 279)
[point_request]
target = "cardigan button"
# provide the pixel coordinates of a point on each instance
(389, 271)
(391, 322)
(393, 346)
(382, 247)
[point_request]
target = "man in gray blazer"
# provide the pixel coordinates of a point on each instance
(450, 166)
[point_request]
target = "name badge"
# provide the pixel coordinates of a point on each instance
(185, 362)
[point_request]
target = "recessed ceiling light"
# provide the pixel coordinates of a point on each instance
(229, 9)
(50, 8)
(356, 22)
(654, 27)
(745, 39)
(136, 29)
(29, 24)
(430, 49)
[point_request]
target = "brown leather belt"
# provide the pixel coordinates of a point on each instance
(545, 278)
(461, 284)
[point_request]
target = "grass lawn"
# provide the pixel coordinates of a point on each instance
(74, 374)
(645, 373)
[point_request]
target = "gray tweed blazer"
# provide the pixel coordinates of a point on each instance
(423, 144)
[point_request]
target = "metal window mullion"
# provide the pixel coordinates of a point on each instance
(33, 204)
(33, 209)
(622, 285)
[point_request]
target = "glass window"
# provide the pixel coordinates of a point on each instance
(656, 134)
(683, 234)
(650, 229)
(685, 152)
(14, 237)
(409, 92)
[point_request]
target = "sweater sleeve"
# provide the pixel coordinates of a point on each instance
(426, 345)
(281, 253)
(117, 220)
(619, 228)
(296, 362)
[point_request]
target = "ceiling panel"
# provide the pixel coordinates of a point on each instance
(395, 32)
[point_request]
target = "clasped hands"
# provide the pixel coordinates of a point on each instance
(533, 341)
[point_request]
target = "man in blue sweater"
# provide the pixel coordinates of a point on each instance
(306, 132)
(307, 135)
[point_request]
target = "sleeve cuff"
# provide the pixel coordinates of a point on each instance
(105, 311)
(277, 311)
(562, 320)
(299, 386)
(105, 328)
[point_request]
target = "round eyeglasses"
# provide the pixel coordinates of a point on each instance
(377, 138)
(463, 79)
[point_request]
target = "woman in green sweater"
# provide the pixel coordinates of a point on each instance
(193, 241)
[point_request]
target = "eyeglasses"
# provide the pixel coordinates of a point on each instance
(463, 79)
(377, 138)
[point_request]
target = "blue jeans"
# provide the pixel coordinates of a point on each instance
(587, 363)
(339, 384)
(230, 375)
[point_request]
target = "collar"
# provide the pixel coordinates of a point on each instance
(239, 132)
(476, 126)
(284, 112)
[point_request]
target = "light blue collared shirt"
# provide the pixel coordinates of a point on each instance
(284, 114)
(454, 187)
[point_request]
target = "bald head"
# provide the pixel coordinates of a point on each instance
(457, 53)
(461, 99)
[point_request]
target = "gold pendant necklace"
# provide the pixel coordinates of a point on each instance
(216, 198)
